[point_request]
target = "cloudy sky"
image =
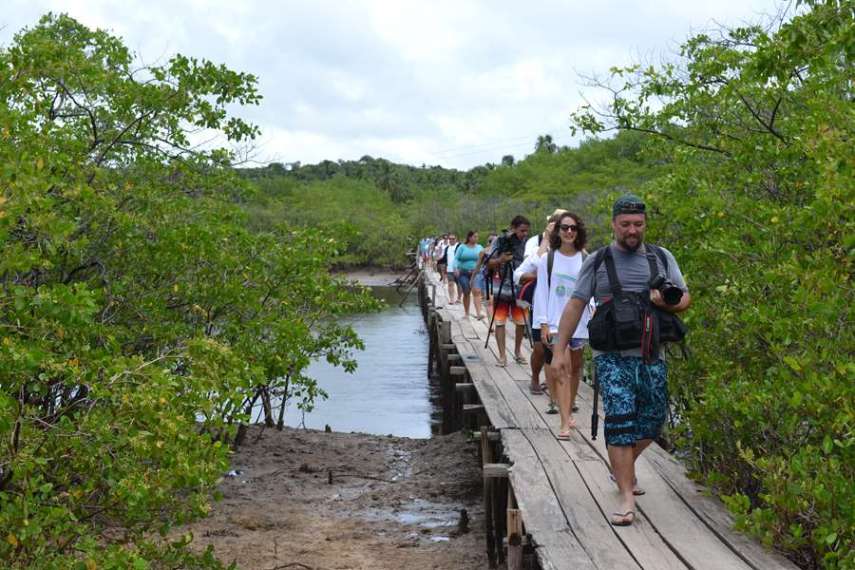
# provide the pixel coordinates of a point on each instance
(456, 83)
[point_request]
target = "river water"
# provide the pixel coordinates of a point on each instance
(389, 393)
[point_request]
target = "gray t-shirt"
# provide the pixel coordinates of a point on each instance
(633, 272)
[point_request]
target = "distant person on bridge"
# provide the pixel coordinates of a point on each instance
(439, 255)
(451, 260)
(465, 260)
(508, 253)
(479, 281)
(638, 289)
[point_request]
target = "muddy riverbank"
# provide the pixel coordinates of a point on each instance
(321, 500)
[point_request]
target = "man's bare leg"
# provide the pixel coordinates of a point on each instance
(500, 341)
(622, 459)
(518, 338)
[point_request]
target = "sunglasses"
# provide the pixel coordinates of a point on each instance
(568, 227)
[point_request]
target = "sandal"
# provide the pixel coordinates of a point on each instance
(551, 409)
(623, 519)
(536, 390)
(502, 364)
(519, 359)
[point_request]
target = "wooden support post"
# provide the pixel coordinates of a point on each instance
(446, 383)
(432, 342)
(515, 534)
(496, 470)
(489, 531)
(500, 505)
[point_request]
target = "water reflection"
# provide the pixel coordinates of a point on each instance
(389, 393)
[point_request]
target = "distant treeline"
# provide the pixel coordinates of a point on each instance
(382, 208)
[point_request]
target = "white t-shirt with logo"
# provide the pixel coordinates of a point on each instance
(548, 305)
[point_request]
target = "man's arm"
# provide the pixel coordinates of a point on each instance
(656, 299)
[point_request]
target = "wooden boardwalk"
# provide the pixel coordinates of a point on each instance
(555, 497)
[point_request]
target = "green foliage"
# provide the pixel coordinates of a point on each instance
(759, 207)
(141, 317)
(379, 209)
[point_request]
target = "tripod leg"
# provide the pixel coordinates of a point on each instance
(493, 316)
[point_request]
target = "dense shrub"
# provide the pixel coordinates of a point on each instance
(140, 316)
(759, 208)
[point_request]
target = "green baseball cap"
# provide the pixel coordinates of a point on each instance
(628, 204)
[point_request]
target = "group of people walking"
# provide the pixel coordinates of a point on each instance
(622, 299)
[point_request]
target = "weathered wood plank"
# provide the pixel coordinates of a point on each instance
(648, 548)
(712, 512)
(497, 408)
(542, 513)
(659, 471)
(687, 535)
(588, 522)
(525, 414)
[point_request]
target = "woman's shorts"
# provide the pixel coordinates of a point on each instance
(463, 282)
(478, 281)
(574, 344)
(635, 397)
(502, 310)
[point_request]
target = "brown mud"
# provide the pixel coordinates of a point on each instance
(325, 500)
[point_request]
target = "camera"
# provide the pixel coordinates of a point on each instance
(671, 294)
(505, 245)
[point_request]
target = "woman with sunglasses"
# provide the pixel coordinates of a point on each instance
(567, 242)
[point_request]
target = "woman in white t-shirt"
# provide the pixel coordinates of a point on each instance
(567, 242)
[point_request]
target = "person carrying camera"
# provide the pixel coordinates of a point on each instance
(638, 288)
(508, 253)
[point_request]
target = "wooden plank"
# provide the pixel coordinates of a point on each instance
(542, 513)
(687, 535)
(495, 470)
(712, 512)
(497, 408)
(648, 548)
(525, 415)
(467, 329)
(657, 465)
(588, 519)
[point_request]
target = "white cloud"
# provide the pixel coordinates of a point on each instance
(455, 83)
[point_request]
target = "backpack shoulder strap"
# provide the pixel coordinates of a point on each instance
(550, 260)
(660, 253)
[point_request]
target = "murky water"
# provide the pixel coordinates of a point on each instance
(389, 393)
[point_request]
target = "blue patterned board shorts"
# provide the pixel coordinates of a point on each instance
(635, 397)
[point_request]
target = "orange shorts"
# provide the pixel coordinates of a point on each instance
(502, 310)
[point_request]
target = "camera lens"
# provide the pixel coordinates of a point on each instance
(671, 294)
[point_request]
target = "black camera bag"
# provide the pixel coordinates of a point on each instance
(618, 323)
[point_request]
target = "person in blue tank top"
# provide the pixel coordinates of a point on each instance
(465, 259)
